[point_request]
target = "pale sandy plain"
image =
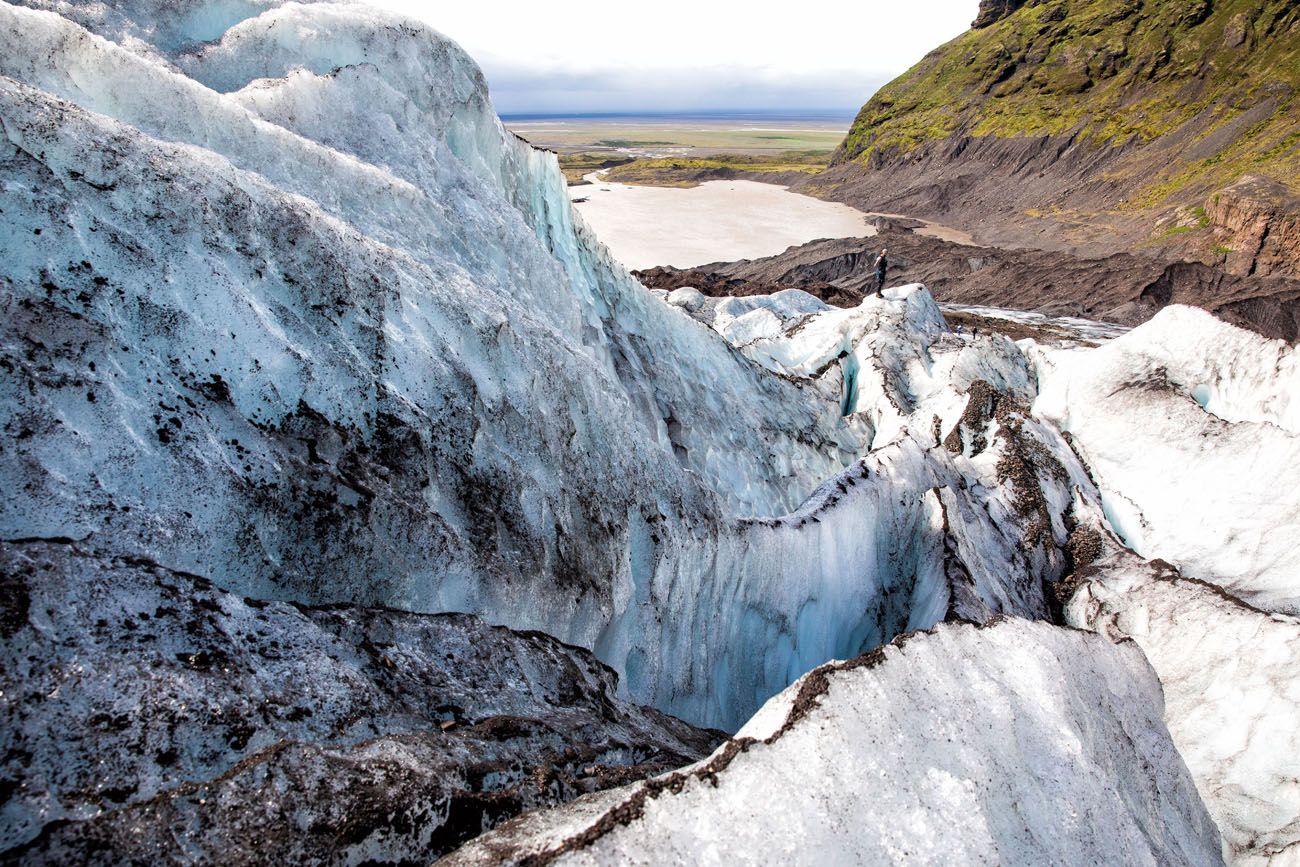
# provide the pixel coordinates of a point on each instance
(718, 221)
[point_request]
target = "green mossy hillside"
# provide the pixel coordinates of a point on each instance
(1223, 74)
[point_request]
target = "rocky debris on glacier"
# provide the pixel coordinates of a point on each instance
(1191, 429)
(1231, 679)
(1015, 743)
(150, 717)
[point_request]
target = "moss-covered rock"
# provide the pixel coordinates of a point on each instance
(1115, 72)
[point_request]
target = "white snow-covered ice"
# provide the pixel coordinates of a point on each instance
(1191, 428)
(1231, 679)
(1021, 753)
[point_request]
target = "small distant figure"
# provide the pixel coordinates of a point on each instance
(882, 263)
(959, 329)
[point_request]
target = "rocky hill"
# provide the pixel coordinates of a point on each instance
(1162, 126)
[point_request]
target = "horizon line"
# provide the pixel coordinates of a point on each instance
(835, 113)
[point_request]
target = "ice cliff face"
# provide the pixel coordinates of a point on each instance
(422, 385)
(290, 309)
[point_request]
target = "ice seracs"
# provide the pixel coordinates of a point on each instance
(1191, 429)
(1012, 744)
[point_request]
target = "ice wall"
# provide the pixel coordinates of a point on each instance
(290, 308)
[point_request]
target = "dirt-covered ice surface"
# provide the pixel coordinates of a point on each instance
(150, 717)
(1019, 324)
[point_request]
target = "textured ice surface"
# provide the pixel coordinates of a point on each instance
(1068, 326)
(1231, 678)
(1191, 428)
(962, 506)
(291, 309)
(1012, 744)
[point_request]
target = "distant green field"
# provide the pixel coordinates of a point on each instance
(690, 171)
(681, 137)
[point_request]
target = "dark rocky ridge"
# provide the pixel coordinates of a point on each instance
(1122, 288)
(152, 718)
(995, 10)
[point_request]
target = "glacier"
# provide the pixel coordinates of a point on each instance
(384, 363)
(287, 307)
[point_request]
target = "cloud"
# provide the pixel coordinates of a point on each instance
(518, 88)
(690, 54)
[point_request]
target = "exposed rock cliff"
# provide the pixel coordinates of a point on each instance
(1257, 221)
(995, 10)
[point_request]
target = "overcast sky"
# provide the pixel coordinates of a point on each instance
(672, 55)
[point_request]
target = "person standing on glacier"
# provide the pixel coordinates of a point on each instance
(882, 262)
